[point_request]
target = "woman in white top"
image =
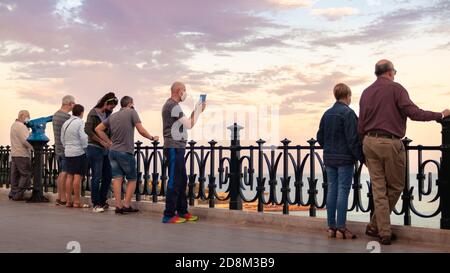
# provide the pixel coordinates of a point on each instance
(75, 142)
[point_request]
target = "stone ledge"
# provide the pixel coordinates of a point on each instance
(279, 222)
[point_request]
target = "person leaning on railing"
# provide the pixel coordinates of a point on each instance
(384, 108)
(121, 154)
(341, 149)
(20, 157)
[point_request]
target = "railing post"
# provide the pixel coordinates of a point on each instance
(192, 175)
(137, 191)
(45, 170)
(164, 177)
(155, 174)
(2, 166)
(285, 189)
(54, 172)
(261, 179)
(235, 172)
(8, 166)
(407, 196)
(312, 181)
(212, 179)
(444, 175)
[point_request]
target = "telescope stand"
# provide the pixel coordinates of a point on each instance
(38, 195)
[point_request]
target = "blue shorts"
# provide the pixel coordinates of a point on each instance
(62, 163)
(123, 165)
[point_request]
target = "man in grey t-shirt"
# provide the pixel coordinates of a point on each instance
(122, 126)
(123, 162)
(61, 116)
(175, 124)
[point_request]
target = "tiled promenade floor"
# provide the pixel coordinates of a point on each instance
(48, 228)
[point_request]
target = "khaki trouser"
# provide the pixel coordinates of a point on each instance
(20, 176)
(386, 161)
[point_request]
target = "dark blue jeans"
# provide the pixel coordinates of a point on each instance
(101, 175)
(176, 199)
(339, 184)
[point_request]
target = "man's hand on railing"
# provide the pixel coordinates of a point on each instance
(154, 138)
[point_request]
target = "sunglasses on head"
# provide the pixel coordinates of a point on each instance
(113, 100)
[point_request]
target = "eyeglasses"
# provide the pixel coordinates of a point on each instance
(395, 71)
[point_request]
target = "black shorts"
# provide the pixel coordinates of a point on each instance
(77, 165)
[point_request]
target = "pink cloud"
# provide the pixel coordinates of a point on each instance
(112, 44)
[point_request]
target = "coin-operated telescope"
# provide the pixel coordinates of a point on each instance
(38, 129)
(38, 140)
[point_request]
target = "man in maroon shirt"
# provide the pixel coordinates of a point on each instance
(384, 108)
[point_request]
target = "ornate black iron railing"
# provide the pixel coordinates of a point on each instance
(283, 175)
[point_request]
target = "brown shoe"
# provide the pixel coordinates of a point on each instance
(373, 232)
(385, 240)
(331, 232)
(345, 234)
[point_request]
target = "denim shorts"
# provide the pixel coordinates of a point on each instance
(62, 163)
(123, 165)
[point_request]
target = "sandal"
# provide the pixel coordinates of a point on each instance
(345, 234)
(69, 205)
(331, 232)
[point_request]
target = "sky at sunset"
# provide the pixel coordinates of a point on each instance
(282, 57)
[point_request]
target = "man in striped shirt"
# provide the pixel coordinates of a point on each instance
(61, 116)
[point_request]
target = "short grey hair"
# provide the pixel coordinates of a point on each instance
(125, 101)
(66, 100)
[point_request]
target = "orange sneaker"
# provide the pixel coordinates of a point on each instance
(173, 220)
(189, 217)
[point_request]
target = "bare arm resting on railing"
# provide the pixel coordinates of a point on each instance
(100, 130)
(143, 132)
